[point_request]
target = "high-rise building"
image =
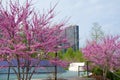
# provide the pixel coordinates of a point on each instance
(72, 35)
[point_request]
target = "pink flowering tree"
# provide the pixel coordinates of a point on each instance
(27, 36)
(104, 53)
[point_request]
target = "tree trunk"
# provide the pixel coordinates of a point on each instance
(105, 74)
(18, 67)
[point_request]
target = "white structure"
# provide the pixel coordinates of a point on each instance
(74, 66)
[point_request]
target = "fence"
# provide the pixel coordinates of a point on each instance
(87, 71)
(113, 76)
(54, 69)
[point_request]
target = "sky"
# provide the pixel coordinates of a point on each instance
(84, 13)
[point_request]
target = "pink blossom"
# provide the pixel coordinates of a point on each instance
(104, 53)
(27, 34)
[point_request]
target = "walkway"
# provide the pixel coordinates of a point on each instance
(74, 78)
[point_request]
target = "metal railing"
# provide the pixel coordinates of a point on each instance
(38, 72)
(113, 76)
(87, 71)
(79, 71)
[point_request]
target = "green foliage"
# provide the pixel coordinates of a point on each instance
(73, 56)
(69, 54)
(117, 72)
(110, 75)
(114, 75)
(51, 54)
(34, 55)
(60, 54)
(79, 56)
(97, 71)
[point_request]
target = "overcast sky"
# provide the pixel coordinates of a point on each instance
(85, 12)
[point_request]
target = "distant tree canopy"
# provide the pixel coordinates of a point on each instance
(72, 56)
(97, 32)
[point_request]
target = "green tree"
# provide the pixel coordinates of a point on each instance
(73, 56)
(97, 32)
(79, 56)
(69, 54)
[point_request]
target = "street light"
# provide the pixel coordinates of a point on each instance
(56, 64)
(56, 67)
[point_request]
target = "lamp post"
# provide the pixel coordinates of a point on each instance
(56, 67)
(56, 56)
(87, 63)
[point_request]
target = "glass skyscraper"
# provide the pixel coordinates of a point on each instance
(72, 35)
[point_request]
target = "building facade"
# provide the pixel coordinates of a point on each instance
(72, 35)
